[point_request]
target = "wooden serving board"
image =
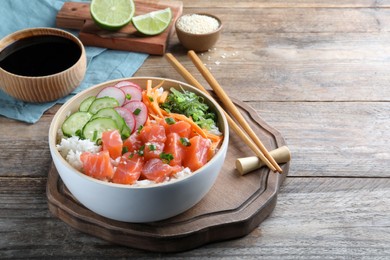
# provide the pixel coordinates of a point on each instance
(74, 15)
(234, 207)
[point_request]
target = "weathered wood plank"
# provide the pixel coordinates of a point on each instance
(324, 218)
(250, 4)
(24, 147)
(315, 70)
(333, 139)
(295, 67)
(301, 20)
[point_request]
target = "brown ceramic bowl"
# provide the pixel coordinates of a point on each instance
(41, 64)
(198, 42)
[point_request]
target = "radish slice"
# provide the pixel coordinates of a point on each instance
(127, 83)
(114, 92)
(132, 93)
(127, 116)
(139, 110)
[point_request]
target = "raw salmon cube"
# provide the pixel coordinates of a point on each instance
(97, 165)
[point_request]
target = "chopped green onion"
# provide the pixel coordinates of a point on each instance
(131, 155)
(185, 141)
(141, 150)
(152, 147)
(166, 157)
(137, 111)
(128, 96)
(125, 149)
(140, 128)
(151, 99)
(170, 120)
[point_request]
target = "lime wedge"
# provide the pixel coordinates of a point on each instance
(153, 23)
(112, 14)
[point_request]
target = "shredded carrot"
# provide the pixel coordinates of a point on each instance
(214, 137)
(148, 87)
(147, 102)
(154, 103)
(152, 98)
(163, 97)
(155, 117)
(194, 126)
(159, 85)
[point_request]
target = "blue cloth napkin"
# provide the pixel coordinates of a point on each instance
(102, 64)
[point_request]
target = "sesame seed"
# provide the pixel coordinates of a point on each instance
(197, 24)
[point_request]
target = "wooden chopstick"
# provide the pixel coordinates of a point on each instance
(190, 79)
(230, 107)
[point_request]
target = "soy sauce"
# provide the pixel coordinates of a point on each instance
(40, 55)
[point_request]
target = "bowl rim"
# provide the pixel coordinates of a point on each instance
(74, 38)
(200, 34)
(53, 132)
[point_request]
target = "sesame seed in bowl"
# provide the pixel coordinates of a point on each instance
(198, 32)
(197, 23)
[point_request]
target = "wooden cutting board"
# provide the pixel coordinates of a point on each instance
(77, 16)
(234, 207)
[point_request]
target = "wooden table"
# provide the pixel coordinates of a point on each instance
(317, 71)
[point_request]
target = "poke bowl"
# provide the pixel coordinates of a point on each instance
(151, 165)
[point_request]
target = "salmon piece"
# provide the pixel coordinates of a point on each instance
(163, 123)
(175, 147)
(153, 133)
(98, 165)
(129, 169)
(112, 142)
(182, 128)
(133, 142)
(156, 170)
(153, 150)
(197, 154)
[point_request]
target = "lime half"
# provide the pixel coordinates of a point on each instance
(153, 23)
(112, 14)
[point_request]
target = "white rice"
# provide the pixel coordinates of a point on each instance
(215, 130)
(71, 149)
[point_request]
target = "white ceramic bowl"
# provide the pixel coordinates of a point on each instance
(137, 204)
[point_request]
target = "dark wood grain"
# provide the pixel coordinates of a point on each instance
(318, 72)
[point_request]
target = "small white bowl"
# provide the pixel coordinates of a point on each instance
(138, 204)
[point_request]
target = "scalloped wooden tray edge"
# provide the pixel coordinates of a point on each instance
(199, 226)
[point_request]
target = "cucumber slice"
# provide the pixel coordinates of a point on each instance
(94, 129)
(84, 106)
(74, 124)
(103, 102)
(111, 113)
